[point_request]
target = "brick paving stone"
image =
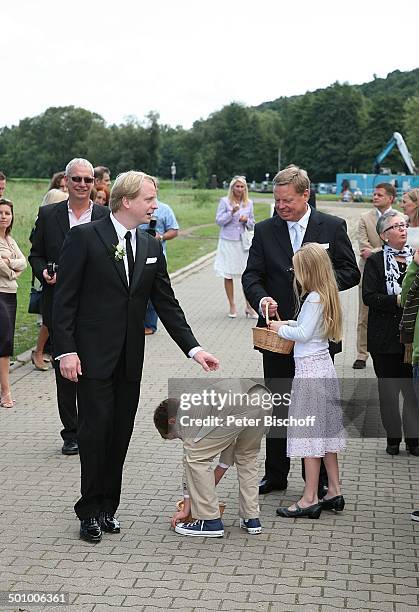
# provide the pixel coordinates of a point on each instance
(365, 558)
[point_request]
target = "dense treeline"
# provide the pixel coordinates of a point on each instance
(338, 129)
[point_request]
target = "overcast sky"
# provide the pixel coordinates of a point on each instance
(187, 58)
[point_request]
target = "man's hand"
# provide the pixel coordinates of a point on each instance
(273, 307)
(208, 362)
(51, 280)
(416, 257)
(365, 253)
(70, 367)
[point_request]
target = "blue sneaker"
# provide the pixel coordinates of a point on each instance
(252, 526)
(211, 529)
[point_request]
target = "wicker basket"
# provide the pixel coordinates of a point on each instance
(179, 506)
(268, 340)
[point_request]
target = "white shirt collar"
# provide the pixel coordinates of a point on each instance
(379, 213)
(303, 221)
(120, 229)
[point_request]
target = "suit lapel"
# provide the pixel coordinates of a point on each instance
(140, 257)
(312, 232)
(109, 237)
(96, 212)
(62, 217)
(283, 237)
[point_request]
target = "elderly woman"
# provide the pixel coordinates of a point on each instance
(234, 216)
(381, 292)
(12, 263)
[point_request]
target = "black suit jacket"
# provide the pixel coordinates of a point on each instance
(383, 335)
(51, 228)
(269, 266)
(97, 315)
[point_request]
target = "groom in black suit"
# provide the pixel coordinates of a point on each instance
(268, 279)
(108, 272)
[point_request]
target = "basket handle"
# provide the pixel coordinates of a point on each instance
(267, 315)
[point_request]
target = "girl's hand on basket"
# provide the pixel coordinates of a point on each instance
(275, 325)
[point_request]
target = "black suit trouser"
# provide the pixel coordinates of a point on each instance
(395, 377)
(278, 371)
(107, 411)
(66, 390)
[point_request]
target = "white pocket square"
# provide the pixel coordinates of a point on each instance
(324, 245)
(150, 260)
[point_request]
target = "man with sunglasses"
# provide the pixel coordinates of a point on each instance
(52, 225)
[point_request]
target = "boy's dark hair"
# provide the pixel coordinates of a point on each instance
(167, 409)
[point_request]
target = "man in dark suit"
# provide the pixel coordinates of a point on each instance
(51, 227)
(268, 280)
(108, 271)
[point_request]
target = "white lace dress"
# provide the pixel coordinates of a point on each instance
(315, 413)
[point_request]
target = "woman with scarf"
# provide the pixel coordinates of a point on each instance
(381, 292)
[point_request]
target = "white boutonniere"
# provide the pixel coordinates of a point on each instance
(119, 252)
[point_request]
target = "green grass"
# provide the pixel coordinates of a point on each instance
(193, 208)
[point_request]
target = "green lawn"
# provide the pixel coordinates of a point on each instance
(193, 208)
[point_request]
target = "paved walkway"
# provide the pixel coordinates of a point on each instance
(366, 558)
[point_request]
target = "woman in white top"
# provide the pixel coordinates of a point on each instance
(12, 264)
(316, 426)
(410, 206)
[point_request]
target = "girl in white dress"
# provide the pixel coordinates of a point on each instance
(315, 389)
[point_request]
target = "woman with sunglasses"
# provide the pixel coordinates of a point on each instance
(12, 264)
(381, 292)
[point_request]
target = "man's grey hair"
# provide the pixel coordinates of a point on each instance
(383, 221)
(78, 161)
(292, 175)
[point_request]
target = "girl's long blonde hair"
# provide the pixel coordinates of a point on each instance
(314, 272)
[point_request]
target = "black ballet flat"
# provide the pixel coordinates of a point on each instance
(312, 512)
(336, 504)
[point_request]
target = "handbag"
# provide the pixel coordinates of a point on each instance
(246, 237)
(35, 298)
(268, 340)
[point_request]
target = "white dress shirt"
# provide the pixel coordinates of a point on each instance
(120, 232)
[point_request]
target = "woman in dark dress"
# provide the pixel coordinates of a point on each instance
(381, 292)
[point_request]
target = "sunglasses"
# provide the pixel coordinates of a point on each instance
(78, 179)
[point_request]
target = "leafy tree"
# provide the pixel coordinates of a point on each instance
(411, 127)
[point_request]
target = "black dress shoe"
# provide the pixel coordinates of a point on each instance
(266, 486)
(109, 523)
(413, 450)
(312, 512)
(392, 449)
(359, 364)
(70, 447)
(336, 503)
(90, 530)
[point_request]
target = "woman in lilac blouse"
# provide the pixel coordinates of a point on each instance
(234, 214)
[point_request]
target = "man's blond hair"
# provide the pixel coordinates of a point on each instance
(128, 185)
(293, 175)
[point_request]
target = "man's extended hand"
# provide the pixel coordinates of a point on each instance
(70, 367)
(273, 307)
(208, 362)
